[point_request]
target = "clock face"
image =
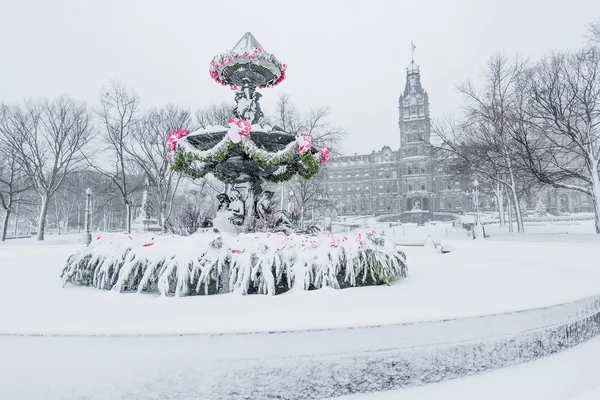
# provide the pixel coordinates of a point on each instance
(414, 127)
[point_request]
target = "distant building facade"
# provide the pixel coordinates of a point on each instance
(416, 176)
(393, 181)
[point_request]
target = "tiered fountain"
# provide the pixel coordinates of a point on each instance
(251, 249)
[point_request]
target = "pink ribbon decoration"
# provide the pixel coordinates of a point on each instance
(334, 242)
(304, 143)
(325, 154)
(359, 239)
(237, 128)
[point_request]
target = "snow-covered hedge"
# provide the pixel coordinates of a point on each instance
(210, 263)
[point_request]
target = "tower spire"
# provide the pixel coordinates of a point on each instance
(412, 57)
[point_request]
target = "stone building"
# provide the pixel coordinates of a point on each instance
(393, 181)
(417, 176)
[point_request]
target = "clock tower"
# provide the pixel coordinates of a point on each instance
(414, 122)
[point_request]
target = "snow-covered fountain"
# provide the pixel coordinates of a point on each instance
(252, 248)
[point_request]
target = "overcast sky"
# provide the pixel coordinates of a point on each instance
(350, 55)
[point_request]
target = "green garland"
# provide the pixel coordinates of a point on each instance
(310, 165)
(196, 164)
(264, 157)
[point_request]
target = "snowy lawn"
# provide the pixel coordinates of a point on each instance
(497, 275)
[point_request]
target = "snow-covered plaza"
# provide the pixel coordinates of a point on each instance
(493, 294)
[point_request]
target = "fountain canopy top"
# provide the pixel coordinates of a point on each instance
(247, 64)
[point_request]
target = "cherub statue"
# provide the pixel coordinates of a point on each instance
(237, 207)
(223, 202)
(263, 204)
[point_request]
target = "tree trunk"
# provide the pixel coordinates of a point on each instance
(596, 197)
(510, 220)
(16, 231)
(5, 224)
(42, 222)
(518, 216)
(500, 202)
(163, 221)
(128, 217)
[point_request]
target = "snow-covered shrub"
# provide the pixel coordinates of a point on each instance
(210, 263)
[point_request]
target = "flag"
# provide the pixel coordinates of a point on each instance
(413, 46)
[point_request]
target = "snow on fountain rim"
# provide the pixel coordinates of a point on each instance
(439, 287)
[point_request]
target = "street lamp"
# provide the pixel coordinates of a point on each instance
(476, 200)
(88, 216)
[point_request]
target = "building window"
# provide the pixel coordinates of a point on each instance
(387, 189)
(449, 187)
(423, 186)
(409, 170)
(348, 188)
(380, 186)
(433, 185)
(340, 189)
(389, 207)
(331, 189)
(393, 174)
(422, 170)
(379, 173)
(387, 175)
(410, 187)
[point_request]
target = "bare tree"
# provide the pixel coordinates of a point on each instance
(150, 150)
(315, 122)
(561, 141)
(117, 111)
(484, 139)
(594, 32)
(48, 138)
(13, 180)
(307, 193)
(216, 114)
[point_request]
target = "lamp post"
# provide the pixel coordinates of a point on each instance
(476, 200)
(88, 216)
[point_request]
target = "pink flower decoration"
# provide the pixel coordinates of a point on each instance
(237, 128)
(283, 67)
(236, 251)
(325, 154)
(304, 143)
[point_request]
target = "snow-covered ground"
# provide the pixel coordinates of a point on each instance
(570, 375)
(478, 278)
(552, 264)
